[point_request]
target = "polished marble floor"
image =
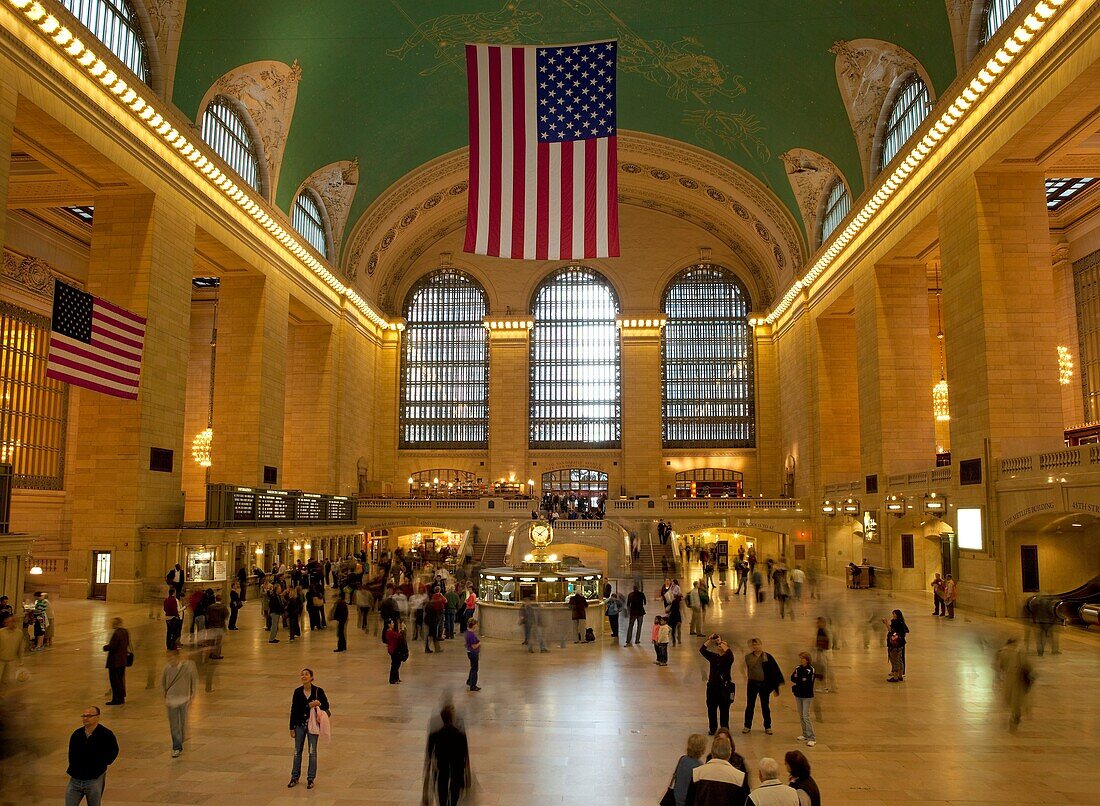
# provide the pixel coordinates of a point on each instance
(590, 723)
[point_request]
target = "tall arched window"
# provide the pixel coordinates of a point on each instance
(911, 104)
(837, 204)
(575, 397)
(445, 363)
(707, 361)
(224, 130)
(309, 219)
(994, 16)
(116, 25)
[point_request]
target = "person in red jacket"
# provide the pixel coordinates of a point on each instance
(398, 647)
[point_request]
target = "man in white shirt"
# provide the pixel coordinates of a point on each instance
(178, 681)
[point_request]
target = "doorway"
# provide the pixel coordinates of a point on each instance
(101, 573)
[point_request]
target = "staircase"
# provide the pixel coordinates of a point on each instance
(492, 552)
(648, 565)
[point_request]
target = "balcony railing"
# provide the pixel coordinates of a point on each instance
(1042, 464)
(642, 506)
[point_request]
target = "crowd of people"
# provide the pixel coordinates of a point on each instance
(573, 506)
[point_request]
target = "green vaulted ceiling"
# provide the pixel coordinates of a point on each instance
(384, 80)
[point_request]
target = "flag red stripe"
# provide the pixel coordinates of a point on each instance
(472, 195)
(125, 314)
(101, 337)
(92, 369)
(612, 197)
(542, 238)
(76, 380)
(92, 359)
(102, 314)
(496, 133)
(519, 150)
(566, 200)
(590, 174)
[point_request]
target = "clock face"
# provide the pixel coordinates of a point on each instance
(540, 534)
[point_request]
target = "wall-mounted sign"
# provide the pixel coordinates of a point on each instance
(970, 528)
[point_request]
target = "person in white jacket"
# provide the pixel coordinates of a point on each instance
(178, 680)
(772, 791)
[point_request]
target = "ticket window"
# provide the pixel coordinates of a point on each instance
(200, 565)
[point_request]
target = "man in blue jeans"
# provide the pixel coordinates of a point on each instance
(473, 652)
(92, 749)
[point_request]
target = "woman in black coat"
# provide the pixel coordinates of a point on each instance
(895, 646)
(719, 682)
(306, 697)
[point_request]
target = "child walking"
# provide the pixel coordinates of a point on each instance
(661, 634)
(803, 679)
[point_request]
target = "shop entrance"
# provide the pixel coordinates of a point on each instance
(101, 573)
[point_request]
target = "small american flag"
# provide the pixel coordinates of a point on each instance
(542, 152)
(94, 343)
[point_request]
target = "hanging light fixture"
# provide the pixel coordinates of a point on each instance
(1065, 366)
(941, 408)
(200, 446)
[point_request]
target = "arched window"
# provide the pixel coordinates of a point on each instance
(224, 130)
(575, 480)
(445, 363)
(709, 482)
(575, 397)
(309, 219)
(116, 25)
(707, 361)
(911, 104)
(994, 16)
(837, 204)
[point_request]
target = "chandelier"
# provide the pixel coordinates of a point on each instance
(1065, 366)
(940, 408)
(200, 447)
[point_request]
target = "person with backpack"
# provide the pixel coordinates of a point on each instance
(398, 648)
(614, 608)
(895, 646)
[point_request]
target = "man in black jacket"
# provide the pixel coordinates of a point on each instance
(92, 749)
(764, 678)
(635, 607)
(340, 616)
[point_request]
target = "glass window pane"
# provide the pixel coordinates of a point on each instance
(911, 106)
(116, 25)
(445, 364)
(837, 204)
(310, 222)
(996, 12)
(575, 394)
(707, 364)
(225, 131)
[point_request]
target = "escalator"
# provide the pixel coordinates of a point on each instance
(1066, 607)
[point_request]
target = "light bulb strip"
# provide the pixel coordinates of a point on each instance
(955, 111)
(144, 111)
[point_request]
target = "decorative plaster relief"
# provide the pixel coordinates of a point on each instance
(335, 184)
(866, 70)
(166, 22)
(965, 18)
(34, 274)
(267, 90)
(810, 175)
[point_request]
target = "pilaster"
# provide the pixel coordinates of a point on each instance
(641, 403)
(838, 399)
(998, 301)
(894, 364)
(250, 378)
(8, 100)
(509, 390)
(142, 255)
(357, 354)
(309, 430)
(388, 390)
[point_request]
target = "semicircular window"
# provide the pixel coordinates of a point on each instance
(116, 25)
(994, 16)
(837, 204)
(910, 107)
(445, 363)
(707, 363)
(309, 220)
(224, 129)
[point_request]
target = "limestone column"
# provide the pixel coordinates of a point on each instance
(309, 431)
(387, 396)
(998, 305)
(796, 372)
(641, 405)
(142, 255)
(897, 432)
(249, 379)
(8, 100)
(509, 390)
(1065, 303)
(769, 463)
(357, 353)
(838, 403)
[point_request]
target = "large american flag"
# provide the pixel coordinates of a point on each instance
(94, 343)
(542, 152)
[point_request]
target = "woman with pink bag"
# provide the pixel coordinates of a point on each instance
(309, 718)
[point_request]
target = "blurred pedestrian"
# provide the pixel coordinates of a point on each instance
(92, 749)
(217, 614)
(398, 648)
(938, 608)
(578, 611)
(178, 680)
(1017, 678)
(120, 654)
(12, 643)
(950, 594)
(447, 761)
(340, 616)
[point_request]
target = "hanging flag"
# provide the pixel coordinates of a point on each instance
(94, 343)
(542, 152)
